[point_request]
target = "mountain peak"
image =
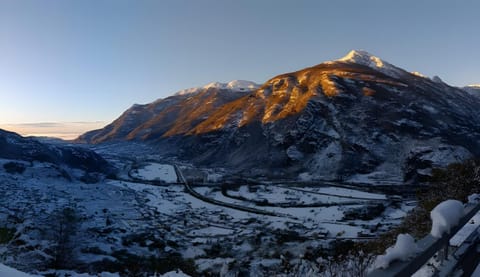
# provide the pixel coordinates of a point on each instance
(242, 85)
(235, 85)
(362, 57)
(437, 79)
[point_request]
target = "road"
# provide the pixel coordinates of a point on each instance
(197, 195)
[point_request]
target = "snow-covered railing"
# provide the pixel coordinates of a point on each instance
(430, 245)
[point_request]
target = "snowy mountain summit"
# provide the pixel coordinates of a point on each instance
(238, 85)
(364, 58)
(235, 85)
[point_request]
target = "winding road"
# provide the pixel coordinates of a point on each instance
(197, 195)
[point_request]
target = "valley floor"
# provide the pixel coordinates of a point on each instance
(146, 221)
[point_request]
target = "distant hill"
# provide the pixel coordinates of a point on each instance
(16, 147)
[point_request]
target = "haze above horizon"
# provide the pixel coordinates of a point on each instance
(88, 61)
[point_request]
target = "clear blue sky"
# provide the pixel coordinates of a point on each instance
(89, 60)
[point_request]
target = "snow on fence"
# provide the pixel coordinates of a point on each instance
(443, 230)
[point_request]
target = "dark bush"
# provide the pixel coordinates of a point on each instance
(14, 168)
(6, 234)
(129, 264)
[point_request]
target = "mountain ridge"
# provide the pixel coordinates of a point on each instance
(29, 149)
(355, 118)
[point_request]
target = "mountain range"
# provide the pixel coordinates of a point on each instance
(357, 119)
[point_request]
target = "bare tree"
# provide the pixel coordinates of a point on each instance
(64, 226)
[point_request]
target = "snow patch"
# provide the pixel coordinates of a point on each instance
(154, 171)
(466, 231)
(11, 272)
(240, 85)
(305, 177)
(177, 273)
(474, 198)
(364, 58)
(445, 216)
(235, 85)
(294, 154)
(189, 91)
(418, 74)
(403, 249)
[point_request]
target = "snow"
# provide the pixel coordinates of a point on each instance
(442, 155)
(204, 264)
(466, 231)
(215, 85)
(445, 216)
(470, 227)
(154, 171)
(214, 177)
(351, 193)
(429, 269)
(416, 73)
(364, 58)
(242, 85)
(138, 208)
(189, 91)
(193, 252)
(305, 177)
(474, 198)
(403, 249)
(11, 272)
(235, 85)
(177, 273)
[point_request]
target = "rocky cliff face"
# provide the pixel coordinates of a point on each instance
(358, 119)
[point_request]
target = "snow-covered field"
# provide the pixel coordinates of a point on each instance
(11, 272)
(316, 211)
(118, 216)
(155, 171)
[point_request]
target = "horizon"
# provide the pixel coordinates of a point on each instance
(88, 61)
(61, 130)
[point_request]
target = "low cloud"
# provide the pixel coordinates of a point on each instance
(63, 130)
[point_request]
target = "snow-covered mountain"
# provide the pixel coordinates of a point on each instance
(16, 147)
(358, 118)
(364, 58)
